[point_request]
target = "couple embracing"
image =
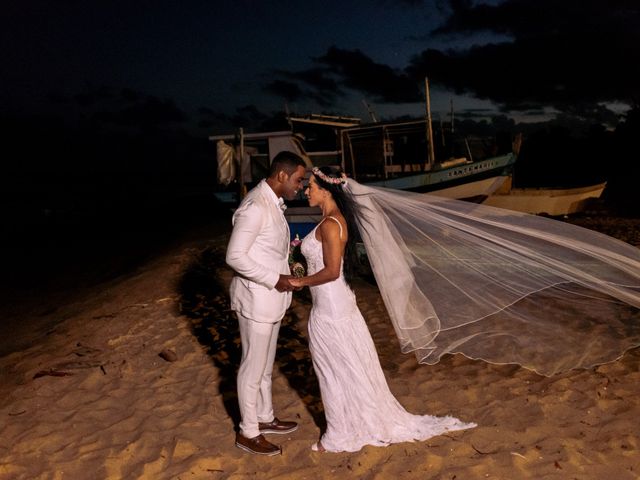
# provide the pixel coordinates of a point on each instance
(359, 407)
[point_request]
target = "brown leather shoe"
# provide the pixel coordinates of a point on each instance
(278, 426)
(258, 445)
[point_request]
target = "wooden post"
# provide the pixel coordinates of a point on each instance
(451, 104)
(431, 154)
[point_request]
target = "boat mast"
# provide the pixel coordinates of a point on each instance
(430, 154)
(451, 104)
(372, 114)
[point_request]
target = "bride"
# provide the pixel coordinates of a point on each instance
(359, 407)
(455, 277)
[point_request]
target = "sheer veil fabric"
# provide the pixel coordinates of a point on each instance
(498, 285)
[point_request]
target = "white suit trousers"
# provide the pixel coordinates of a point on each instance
(259, 342)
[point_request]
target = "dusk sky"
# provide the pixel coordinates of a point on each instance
(209, 61)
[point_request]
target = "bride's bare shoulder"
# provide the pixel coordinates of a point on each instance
(334, 225)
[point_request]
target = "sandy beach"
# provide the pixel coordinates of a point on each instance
(134, 378)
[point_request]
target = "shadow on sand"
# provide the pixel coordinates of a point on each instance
(204, 300)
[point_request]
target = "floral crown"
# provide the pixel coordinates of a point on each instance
(341, 180)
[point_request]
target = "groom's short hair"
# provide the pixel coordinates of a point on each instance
(286, 161)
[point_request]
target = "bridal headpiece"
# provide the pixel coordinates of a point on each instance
(341, 180)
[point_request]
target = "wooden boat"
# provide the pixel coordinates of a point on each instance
(545, 201)
(406, 155)
(460, 178)
(399, 155)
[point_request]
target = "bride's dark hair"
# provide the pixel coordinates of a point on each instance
(349, 211)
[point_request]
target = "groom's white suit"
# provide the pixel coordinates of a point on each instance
(258, 251)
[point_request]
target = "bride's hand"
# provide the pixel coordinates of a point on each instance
(296, 283)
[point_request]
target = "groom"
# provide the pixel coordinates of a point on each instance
(260, 294)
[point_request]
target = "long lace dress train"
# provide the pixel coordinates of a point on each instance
(359, 407)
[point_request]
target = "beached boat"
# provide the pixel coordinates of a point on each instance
(545, 201)
(406, 155)
(400, 155)
(368, 158)
(392, 155)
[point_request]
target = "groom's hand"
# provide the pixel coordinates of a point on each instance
(295, 283)
(283, 284)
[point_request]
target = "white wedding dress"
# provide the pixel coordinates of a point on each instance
(359, 407)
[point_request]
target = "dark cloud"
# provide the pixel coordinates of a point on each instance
(409, 3)
(290, 91)
(249, 117)
(151, 111)
(93, 95)
(128, 107)
(562, 53)
(556, 54)
(315, 84)
(249, 114)
(58, 98)
(359, 72)
(128, 95)
(316, 78)
(338, 70)
(206, 111)
(597, 113)
(474, 113)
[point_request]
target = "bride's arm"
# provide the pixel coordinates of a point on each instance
(332, 251)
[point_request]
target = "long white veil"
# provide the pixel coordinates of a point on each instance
(497, 285)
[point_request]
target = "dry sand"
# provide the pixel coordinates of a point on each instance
(93, 398)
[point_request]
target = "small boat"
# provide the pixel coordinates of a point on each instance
(398, 155)
(406, 155)
(545, 201)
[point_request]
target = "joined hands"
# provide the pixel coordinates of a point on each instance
(288, 283)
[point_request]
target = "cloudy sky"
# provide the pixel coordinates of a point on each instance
(206, 61)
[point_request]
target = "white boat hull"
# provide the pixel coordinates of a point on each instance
(469, 181)
(549, 201)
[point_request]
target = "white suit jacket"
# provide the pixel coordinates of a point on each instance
(259, 252)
